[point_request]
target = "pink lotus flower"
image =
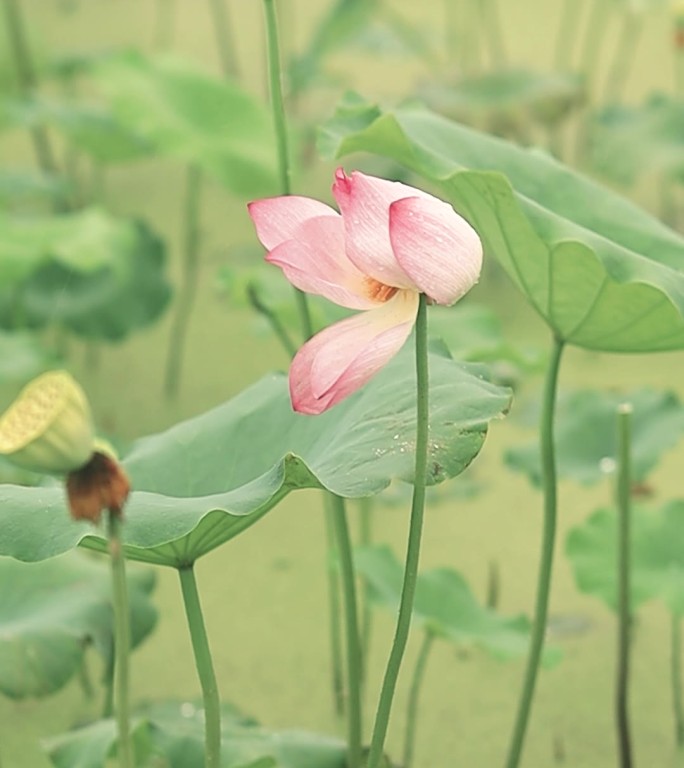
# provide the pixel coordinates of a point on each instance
(389, 244)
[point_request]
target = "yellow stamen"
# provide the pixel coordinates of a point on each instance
(379, 291)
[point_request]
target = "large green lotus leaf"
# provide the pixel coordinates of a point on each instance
(24, 187)
(174, 732)
(657, 556)
(601, 272)
(630, 141)
(204, 481)
(586, 435)
(444, 605)
(99, 276)
(187, 114)
(51, 611)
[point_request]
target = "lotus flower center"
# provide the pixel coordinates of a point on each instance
(379, 291)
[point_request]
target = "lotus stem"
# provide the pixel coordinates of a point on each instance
(225, 39)
(676, 672)
(414, 539)
(632, 24)
(365, 540)
(272, 318)
(414, 694)
(186, 299)
(492, 23)
(346, 564)
(122, 640)
(280, 125)
(27, 83)
(623, 580)
(337, 667)
(205, 667)
(568, 33)
(549, 485)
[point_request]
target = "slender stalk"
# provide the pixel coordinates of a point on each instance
(623, 580)
(186, 299)
(492, 24)
(280, 124)
(205, 667)
(225, 39)
(412, 708)
(549, 483)
(676, 672)
(595, 32)
(568, 33)
(27, 83)
(122, 640)
(414, 538)
(493, 585)
(365, 540)
(346, 561)
(274, 321)
(108, 682)
(337, 667)
(632, 24)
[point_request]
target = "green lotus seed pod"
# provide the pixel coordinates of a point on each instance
(49, 427)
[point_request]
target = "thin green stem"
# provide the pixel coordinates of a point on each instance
(27, 83)
(549, 485)
(186, 299)
(493, 585)
(205, 667)
(280, 124)
(346, 561)
(676, 672)
(365, 540)
(632, 25)
(337, 667)
(122, 640)
(595, 32)
(492, 24)
(225, 39)
(108, 682)
(414, 538)
(414, 694)
(623, 580)
(568, 33)
(272, 318)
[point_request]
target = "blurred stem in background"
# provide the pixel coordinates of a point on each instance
(332, 564)
(679, 52)
(676, 673)
(225, 39)
(550, 490)
(408, 589)
(26, 79)
(624, 416)
(365, 540)
(491, 22)
(414, 695)
(205, 667)
(568, 34)
(348, 577)
(632, 24)
(188, 291)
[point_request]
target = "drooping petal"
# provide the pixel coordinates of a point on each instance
(364, 202)
(316, 262)
(343, 357)
(277, 218)
(436, 247)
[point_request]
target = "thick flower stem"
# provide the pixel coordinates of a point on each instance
(186, 298)
(346, 561)
(280, 125)
(205, 667)
(623, 580)
(414, 694)
(365, 540)
(676, 673)
(122, 640)
(549, 484)
(414, 538)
